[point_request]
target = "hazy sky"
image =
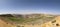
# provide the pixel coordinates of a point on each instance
(29, 6)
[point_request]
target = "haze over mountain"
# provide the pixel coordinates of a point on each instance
(29, 6)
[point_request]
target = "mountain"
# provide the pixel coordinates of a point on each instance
(28, 19)
(25, 18)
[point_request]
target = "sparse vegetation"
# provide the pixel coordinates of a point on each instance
(21, 19)
(54, 21)
(18, 26)
(30, 19)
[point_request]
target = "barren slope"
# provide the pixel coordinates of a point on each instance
(54, 23)
(4, 24)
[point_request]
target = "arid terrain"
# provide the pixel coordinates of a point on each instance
(31, 20)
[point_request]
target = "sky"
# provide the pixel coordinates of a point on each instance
(29, 6)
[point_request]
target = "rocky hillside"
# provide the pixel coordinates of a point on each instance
(5, 24)
(25, 18)
(29, 19)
